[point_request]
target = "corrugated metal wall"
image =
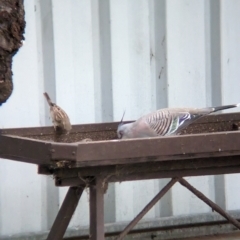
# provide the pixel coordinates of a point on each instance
(98, 58)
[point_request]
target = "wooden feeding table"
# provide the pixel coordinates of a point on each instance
(208, 147)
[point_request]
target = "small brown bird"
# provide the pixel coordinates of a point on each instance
(59, 117)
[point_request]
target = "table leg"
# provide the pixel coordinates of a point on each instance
(210, 203)
(65, 213)
(97, 210)
(133, 223)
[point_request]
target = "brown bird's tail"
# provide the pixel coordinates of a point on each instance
(48, 99)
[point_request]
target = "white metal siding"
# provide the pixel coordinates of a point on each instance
(98, 58)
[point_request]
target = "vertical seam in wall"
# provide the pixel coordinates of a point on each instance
(216, 81)
(166, 46)
(106, 94)
(48, 58)
(220, 50)
(215, 38)
(102, 60)
(106, 61)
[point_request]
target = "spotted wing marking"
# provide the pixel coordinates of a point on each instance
(178, 121)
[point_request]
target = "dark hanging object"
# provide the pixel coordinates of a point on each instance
(12, 27)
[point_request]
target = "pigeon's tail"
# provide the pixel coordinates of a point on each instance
(216, 109)
(208, 110)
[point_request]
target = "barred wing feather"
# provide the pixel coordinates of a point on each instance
(165, 122)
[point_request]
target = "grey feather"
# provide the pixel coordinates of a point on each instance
(164, 122)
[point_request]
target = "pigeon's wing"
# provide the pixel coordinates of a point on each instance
(166, 122)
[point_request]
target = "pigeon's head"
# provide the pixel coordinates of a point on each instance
(121, 131)
(121, 128)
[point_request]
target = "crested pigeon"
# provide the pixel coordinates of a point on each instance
(165, 122)
(59, 117)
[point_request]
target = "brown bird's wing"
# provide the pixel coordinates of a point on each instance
(61, 118)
